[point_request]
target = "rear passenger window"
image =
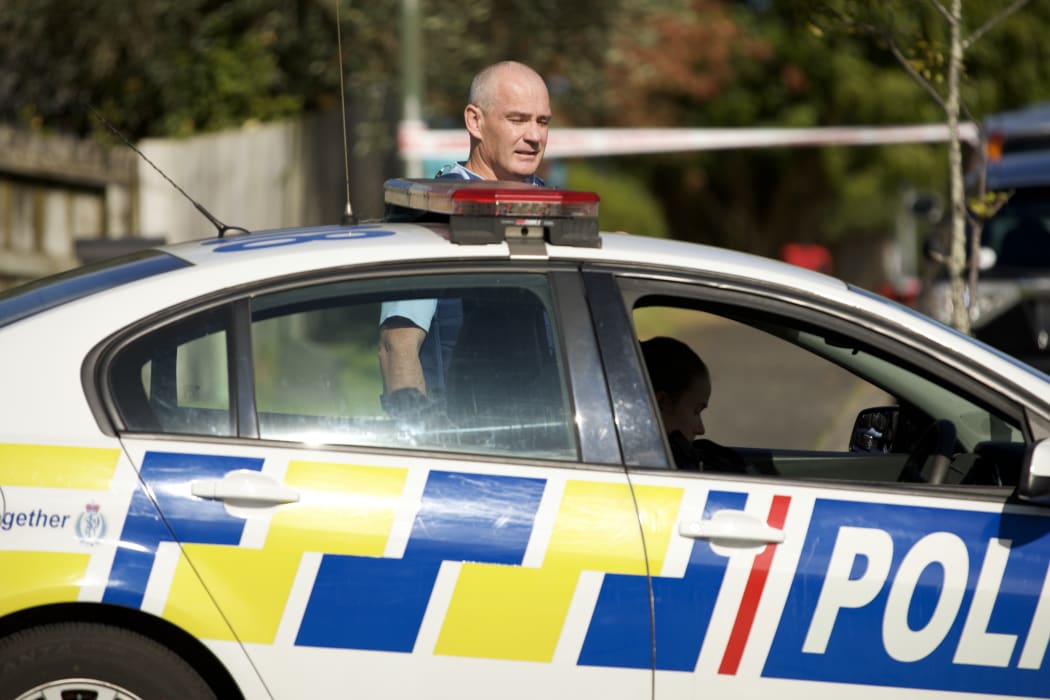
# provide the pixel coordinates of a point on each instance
(176, 379)
(456, 363)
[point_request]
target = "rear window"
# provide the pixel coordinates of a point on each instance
(47, 293)
(1022, 144)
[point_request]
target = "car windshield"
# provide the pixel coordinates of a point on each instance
(33, 297)
(1019, 233)
(967, 338)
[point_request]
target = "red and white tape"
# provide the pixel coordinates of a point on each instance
(415, 141)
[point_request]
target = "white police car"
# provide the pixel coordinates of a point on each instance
(203, 496)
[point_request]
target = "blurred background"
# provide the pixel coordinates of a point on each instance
(238, 102)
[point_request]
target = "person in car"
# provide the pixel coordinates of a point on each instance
(507, 117)
(681, 382)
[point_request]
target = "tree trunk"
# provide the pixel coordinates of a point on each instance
(957, 252)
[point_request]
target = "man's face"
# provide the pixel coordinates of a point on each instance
(512, 133)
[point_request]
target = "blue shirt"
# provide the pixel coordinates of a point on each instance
(459, 171)
(440, 318)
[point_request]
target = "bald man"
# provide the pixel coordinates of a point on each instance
(508, 118)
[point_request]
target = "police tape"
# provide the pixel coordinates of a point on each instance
(415, 141)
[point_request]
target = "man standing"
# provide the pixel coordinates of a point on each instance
(508, 117)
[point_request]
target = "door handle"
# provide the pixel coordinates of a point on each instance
(244, 487)
(731, 526)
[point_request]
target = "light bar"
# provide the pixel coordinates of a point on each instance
(486, 211)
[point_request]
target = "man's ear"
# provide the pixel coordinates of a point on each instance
(663, 400)
(472, 118)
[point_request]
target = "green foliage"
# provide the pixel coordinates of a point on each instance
(984, 206)
(164, 67)
(567, 42)
(809, 67)
(626, 203)
(178, 67)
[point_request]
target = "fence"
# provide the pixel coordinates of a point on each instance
(63, 200)
(54, 190)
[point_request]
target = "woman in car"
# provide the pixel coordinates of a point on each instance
(682, 385)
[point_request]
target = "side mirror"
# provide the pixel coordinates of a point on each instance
(1034, 485)
(874, 429)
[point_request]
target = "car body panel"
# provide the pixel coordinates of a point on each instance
(395, 570)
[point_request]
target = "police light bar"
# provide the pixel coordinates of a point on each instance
(486, 211)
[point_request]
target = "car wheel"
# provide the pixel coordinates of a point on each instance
(91, 661)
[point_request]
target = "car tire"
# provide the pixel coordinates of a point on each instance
(95, 662)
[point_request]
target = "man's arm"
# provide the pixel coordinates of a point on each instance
(399, 343)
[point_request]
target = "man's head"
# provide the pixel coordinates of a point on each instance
(507, 118)
(681, 382)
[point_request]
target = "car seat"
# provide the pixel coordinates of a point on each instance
(503, 387)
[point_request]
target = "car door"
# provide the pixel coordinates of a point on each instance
(456, 548)
(823, 581)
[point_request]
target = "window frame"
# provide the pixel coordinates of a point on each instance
(588, 398)
(618, 299)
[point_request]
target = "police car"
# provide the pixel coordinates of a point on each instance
(203, 494)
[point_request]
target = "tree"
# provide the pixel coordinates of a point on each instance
(936, 63)
(165, 67)
(179, 67)
(725, 64)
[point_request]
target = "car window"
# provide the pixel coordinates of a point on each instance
(47, 293)
(779, 376)
(1019, 233)
(492, 361)
(788, 395)
(176, 379)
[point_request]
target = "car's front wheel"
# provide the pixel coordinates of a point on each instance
(89, 661)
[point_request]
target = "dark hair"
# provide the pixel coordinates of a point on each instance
(671, 364)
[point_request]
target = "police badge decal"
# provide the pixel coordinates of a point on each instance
(91, 525)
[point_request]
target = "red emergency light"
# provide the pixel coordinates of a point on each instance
(486, 211)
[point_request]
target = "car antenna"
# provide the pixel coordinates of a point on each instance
(222, 228)
(349, 218)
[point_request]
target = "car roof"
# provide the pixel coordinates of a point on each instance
(280, 252)
(219, 264)
(1033, 120)
(1017, 170)
(246, 259)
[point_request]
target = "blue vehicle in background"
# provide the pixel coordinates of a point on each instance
(1013, 295)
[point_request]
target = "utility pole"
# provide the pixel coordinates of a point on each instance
(410, 130)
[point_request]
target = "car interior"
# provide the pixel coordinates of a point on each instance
(317, 377)
(805, 402)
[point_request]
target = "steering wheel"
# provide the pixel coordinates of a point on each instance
(936, 446)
